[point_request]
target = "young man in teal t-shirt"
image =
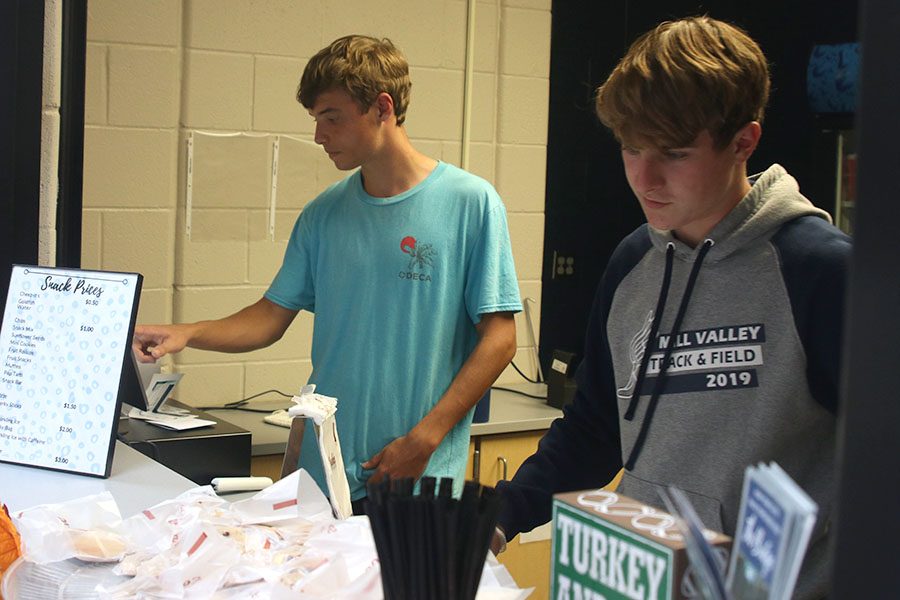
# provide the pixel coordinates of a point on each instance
(408, 268)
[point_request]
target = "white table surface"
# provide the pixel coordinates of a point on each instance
(136, 482)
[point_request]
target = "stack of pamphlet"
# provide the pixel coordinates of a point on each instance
(707, 570)
(773, 530)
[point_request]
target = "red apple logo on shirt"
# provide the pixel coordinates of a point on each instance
(420, 255)
(408, 245)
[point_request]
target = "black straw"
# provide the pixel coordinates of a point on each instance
(431, 545)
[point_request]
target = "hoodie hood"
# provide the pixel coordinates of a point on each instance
(773, 199)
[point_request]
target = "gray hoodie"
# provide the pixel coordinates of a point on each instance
(750, 375)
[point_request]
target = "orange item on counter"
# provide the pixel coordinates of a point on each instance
(10, 543)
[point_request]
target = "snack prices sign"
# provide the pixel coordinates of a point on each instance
(595, 559)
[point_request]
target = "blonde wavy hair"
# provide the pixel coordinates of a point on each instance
(362, 66)
(682, 78)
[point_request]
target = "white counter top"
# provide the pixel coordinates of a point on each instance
(510, 413)
(136, 483)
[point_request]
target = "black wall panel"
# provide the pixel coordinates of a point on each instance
(21, 60)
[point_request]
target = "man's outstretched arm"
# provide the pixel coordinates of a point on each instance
(256, 326)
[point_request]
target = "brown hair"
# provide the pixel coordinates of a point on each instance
(364, 67)
(684, 77)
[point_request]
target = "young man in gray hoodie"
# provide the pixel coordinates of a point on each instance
(714, 339)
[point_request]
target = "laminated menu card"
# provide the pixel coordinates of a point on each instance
(64, 338)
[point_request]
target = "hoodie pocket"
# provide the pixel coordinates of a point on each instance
(708, 509)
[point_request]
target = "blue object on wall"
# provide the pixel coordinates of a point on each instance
(483, 409)
(832, 78)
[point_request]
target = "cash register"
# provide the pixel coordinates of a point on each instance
(220, 450)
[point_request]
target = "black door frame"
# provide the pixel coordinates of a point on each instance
(21, 80)
(71, 134)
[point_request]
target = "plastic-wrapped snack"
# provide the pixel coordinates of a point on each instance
(88, 528)
(98, 545)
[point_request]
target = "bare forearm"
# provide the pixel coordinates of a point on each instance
(251, 328)
(491, 355)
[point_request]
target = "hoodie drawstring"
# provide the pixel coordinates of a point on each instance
(654, 328)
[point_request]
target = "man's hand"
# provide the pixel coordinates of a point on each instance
(407, 456)
(152, 342)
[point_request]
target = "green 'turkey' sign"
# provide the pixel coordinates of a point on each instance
(594, 559)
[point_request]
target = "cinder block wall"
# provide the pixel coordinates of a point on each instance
(163, 72)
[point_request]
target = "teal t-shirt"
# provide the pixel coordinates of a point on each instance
(397, 285)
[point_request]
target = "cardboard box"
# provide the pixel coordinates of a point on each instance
(608, 546)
